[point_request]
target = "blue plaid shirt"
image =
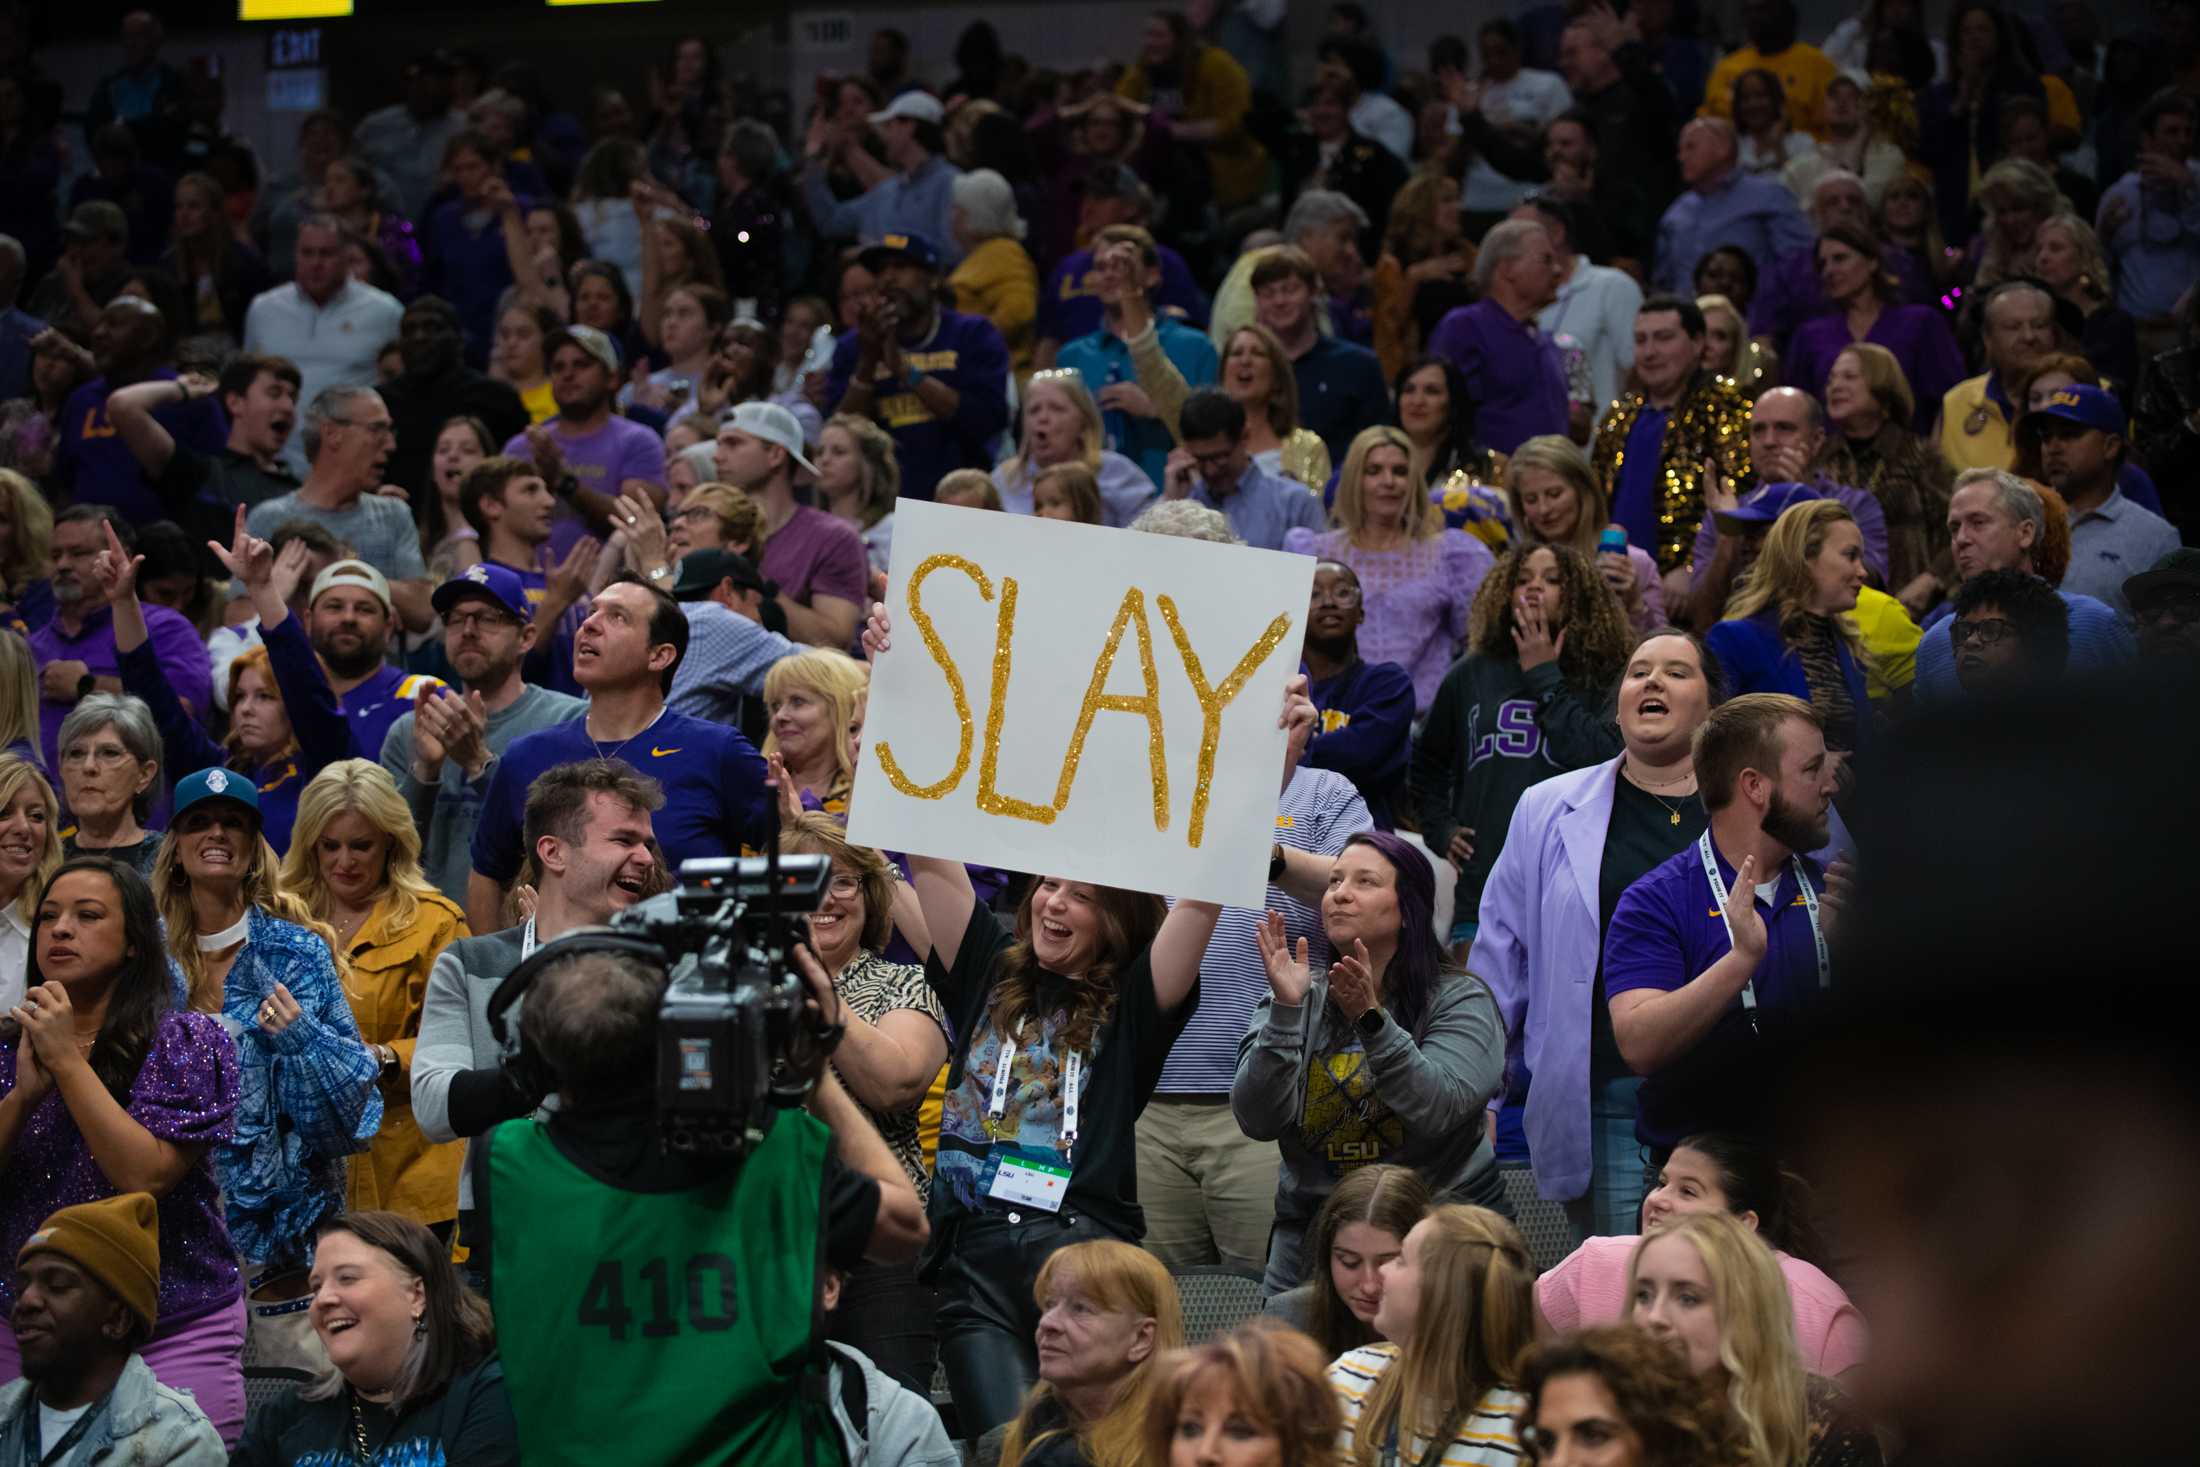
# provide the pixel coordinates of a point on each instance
(307, 1096)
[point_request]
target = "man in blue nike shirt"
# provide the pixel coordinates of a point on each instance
(624, 655)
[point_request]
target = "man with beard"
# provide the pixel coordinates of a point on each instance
(588, 827)
(936, 379)
(1364, 709)
(2165, 601)
(348, 440)
(2080, 431)
(442, 752)
(202, 491)
(1722, 949)
(92, 462)
(1978, 417)
(75, 651)
(435, 386)
(86, 1294)
(588, 454)
(2010, 632)
(624, 658)
(348, 621)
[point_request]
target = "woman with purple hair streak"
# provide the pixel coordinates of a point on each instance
(1388, 1056)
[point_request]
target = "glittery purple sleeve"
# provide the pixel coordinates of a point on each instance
(187, 1092)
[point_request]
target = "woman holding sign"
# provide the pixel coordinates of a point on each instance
(1060, 1026)
(1388, 1056)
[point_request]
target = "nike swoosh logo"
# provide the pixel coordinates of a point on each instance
(657, 753)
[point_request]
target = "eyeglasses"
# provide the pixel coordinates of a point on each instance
(483, 620)
(2182, 607)
(844, 886)
(1345, 597)
(1987, 632)
(383, 429)
(104, 758)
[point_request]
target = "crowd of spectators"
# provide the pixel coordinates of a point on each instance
(409, 561)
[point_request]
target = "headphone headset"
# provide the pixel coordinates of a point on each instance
(526, 1070)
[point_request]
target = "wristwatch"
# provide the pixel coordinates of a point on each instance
(1275, 864)
(1370, 1023)
(661, 573)
(388, 1058)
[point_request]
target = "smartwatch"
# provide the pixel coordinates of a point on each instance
(1370, 1023)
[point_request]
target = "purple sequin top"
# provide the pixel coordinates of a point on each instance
(185, 1094)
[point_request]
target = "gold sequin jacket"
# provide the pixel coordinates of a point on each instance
(1711, 422)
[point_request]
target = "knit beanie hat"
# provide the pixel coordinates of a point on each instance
(116, 1240)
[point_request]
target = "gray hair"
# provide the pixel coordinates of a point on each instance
(1318, 209)
(1506, 241)
(1834, 175)
(133, 724)
(593, 1020)
(2015, 498)
(499, 101)
(1186, 521)
(328, 406)
(702, 458)
(988, 204)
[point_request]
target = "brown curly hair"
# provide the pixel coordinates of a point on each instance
(1682, 1420)
(1598, 638)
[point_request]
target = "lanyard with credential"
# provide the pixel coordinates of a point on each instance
(1810, 906)
(1072, 1067)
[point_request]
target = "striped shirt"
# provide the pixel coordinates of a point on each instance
(1319, 811)
(1488, 1437)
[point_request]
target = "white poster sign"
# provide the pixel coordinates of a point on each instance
(1080, 701)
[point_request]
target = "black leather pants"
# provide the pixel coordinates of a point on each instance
(988, 1315)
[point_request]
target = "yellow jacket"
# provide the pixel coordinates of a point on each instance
(386, 979)
(1804, 72)
(998, 281)
(1976, 430)
(1217, 91)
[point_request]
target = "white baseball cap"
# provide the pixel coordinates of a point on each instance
(770, 422)
(917, 106)
(352, 573)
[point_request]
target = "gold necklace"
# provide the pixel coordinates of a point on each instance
(1672, 810)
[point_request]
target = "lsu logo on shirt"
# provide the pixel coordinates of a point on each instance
(1334, 719)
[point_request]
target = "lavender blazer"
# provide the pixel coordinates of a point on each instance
(1537, 950)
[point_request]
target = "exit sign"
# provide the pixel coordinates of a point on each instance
(293, 47)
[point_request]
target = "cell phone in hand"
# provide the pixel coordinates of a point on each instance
(1613, 539)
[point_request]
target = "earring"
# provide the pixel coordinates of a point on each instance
(420, 1326)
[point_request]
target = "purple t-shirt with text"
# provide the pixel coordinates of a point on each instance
(602, 460)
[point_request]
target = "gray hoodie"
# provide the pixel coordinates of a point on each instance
(1434, 1091)
(900, 1429)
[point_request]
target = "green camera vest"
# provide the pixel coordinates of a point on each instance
(661, 1327)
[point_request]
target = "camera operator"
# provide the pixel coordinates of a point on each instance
(588, 826)
(621, 1272)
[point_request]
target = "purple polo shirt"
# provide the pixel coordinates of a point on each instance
(98, 465)
(1666, 931)
(1918, 336)
(602, 460)
(175, 642)
(1512, 369)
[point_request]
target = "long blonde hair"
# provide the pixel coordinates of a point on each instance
(836, 680)
(19, 697)
(1423, 519)
(30, 549)
(1091, 434)
(15, 772)
(1736, 365)
(364, 786)
(263, 888)
(1780, 578)
(1121, 1279)
(1757, 1350)
(1475, 1320)
(1563, 458)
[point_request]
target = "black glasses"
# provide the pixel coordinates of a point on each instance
(2181, 607)
(1986, 632)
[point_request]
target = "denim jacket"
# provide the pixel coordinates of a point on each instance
(145, 1424)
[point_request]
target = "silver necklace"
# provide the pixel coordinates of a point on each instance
(630, 738)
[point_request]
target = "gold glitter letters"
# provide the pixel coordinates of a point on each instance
(1130, 614)
(990, 799)
(1098, 698)
(1212, 700)
(938, 649)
